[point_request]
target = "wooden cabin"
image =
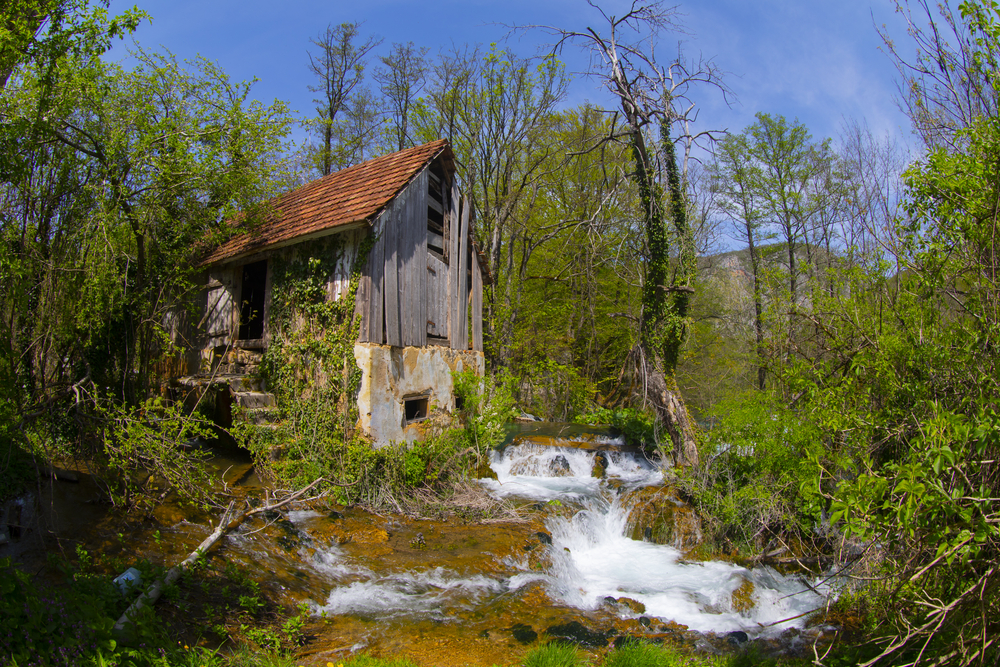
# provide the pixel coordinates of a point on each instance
(419, 295)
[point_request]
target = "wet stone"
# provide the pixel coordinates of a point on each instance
(523, 633)
(559, 467)
(575, 632)
(634, 606)
(737, 637)
(624, 606)
(742, 600)
(544, 538)
(288, 527)
(288, 543)
(600, 465)
(484, 471)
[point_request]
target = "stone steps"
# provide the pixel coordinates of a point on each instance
(258, 407)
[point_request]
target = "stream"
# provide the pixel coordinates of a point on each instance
(602, 549)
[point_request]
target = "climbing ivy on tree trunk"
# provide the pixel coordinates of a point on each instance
(666, 298)
(654, 98)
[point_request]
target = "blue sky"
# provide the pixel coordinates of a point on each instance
(814, 60)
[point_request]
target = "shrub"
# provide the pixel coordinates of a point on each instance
(755, 471)
(637, 427)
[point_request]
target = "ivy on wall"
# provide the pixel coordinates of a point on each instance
(309, 363)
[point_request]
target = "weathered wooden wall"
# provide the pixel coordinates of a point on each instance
(220, 309)
(477, 304)
(437, 297)
(408, 293)
(460, 282)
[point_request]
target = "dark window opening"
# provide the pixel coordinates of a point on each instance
(252, 301)
(415, 409)
(435, 220)
(437, 227)
(459, 403)
(436, 184)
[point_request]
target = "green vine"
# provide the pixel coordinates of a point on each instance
(309, 364)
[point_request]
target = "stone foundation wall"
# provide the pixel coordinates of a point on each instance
(393, 375)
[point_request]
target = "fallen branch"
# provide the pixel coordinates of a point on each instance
(226, 523)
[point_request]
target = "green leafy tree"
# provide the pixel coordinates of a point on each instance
(43, 32)
(172, 152)
(736, 178)
(499, 112)
(125, 178)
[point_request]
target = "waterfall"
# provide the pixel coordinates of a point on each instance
(616, 543)
(594, 559)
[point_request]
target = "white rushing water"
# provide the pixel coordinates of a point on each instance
(591, 556)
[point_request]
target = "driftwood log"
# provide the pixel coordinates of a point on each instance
(228, 522)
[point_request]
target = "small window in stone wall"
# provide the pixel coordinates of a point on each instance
(415, 408)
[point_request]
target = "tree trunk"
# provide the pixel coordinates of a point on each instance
(652, 387)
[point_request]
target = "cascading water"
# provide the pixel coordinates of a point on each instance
(594, 559)
(599, 543)
(590, 563)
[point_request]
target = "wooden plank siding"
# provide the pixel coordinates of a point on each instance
(412, 295)
(220, 311)
(453, 248)
(372, 286)
(461, 341)
(413, 264)
(437, 297)
(391, 232)
(477, 304)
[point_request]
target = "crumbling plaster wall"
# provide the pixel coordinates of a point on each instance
(390, 375)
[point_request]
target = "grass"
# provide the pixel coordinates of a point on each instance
(642, 654)
(554, 654)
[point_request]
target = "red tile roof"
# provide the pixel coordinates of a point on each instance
(351, 195)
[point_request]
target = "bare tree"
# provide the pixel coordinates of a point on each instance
(874, 170)
(654, 100)
(359, 132)
(401, 77)
(340, 66)
(951, 78)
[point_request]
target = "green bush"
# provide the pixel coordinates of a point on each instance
(488, 405)
(51, 627)
(756, 471)
(637, 427)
